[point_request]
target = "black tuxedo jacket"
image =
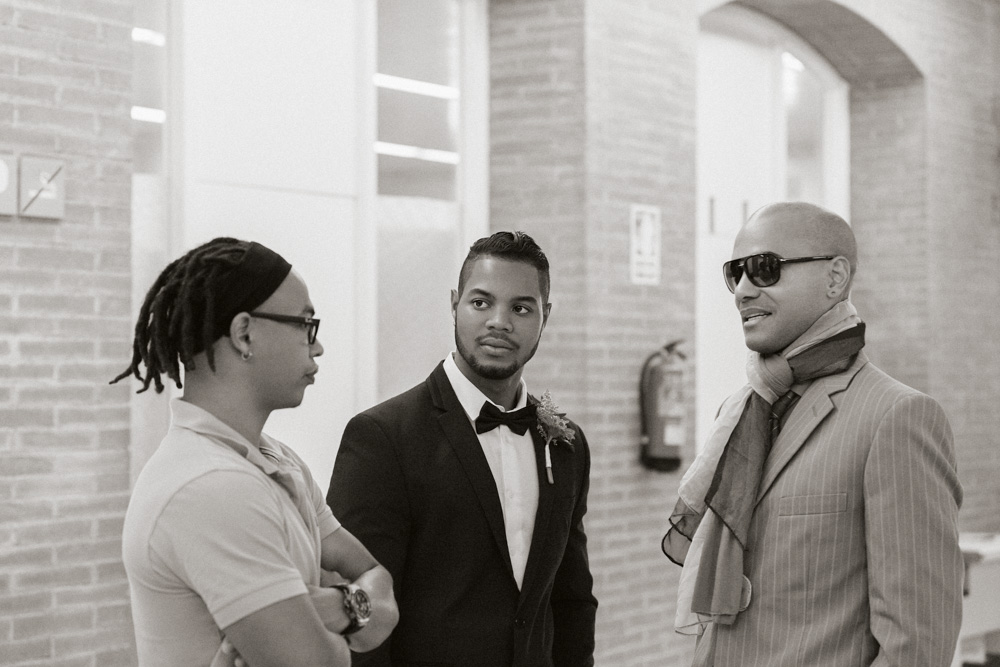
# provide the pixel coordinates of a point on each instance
(412, 483)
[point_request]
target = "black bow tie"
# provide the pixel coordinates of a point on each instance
(518, 421)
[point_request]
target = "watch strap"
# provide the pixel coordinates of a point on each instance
(356, 622)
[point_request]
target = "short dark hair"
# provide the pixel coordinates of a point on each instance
(511, 246)
(177, 319)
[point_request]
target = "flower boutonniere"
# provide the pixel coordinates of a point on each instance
(554, 427)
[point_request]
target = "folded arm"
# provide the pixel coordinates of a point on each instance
(345, 557)
(288, 634)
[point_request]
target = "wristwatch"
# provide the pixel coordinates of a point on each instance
(357, 606)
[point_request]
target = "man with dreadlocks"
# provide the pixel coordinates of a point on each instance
(228, 542)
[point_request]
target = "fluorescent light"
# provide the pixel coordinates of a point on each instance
(791, 62)
(416, 153)
(149, 115)
(147, 36)
(417, 87)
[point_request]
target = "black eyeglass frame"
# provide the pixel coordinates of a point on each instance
(311, 322)
(730, 268)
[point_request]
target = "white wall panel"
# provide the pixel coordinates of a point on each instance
(270, 93)
(421, 248)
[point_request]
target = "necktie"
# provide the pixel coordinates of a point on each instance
(519, 421)
(778, 410)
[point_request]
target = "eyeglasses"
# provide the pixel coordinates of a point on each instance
(311, 323)
(763, 269)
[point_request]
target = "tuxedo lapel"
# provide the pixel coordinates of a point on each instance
(462, 438)
(816, 403)
(543, 515)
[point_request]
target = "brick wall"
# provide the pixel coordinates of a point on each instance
(640, 132)
(65, 91)
(889, 215)
(963, 274)
(981, 506)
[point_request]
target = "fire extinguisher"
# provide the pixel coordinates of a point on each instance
(662, 408)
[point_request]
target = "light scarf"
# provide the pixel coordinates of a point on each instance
(713, 588)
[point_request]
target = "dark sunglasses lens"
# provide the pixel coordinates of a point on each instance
(763, 270)
(732, 271)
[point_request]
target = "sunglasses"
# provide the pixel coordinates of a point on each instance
(763, 269)
(311, 323)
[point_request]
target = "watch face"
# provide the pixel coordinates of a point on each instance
(362, 605)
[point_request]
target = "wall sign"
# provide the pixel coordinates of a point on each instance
(8, 184)
(645, 255)
(43, 193)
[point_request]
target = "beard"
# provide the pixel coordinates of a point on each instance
(491, 372)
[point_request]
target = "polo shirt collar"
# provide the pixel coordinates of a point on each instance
(190, 417)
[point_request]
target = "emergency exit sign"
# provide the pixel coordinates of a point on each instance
(645, 235)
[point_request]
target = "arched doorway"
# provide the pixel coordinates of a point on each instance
(773, 124)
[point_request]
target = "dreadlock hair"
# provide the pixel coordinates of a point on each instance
(177, 319)
(511, 246)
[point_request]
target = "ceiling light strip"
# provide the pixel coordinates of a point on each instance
(416, 153)
(147, 36)
(149, 115)
(416, 87)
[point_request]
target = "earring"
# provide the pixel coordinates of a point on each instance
(246, 355)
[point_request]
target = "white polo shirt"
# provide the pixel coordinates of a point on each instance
(209, 539)
(511, 458)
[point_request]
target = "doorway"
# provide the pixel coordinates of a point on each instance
(773, 124)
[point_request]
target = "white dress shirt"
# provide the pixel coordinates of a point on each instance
(512, 461)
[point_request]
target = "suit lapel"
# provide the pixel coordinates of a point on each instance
(462, 437)
(543, 515)
(816, 403)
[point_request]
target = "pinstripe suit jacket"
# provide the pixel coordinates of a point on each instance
(853, 548)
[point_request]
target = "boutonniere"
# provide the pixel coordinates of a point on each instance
(554, 427)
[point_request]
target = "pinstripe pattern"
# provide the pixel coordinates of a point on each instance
(853, 550)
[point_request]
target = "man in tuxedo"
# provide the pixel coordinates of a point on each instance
(472, 493)
(819, 524)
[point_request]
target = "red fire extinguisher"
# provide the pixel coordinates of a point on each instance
(663, 409)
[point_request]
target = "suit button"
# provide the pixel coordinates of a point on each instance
(519, 623)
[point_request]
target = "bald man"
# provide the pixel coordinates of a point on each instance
(818, 526)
